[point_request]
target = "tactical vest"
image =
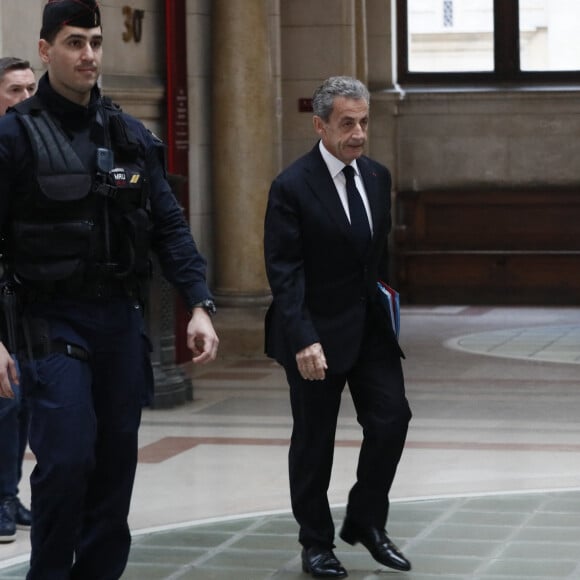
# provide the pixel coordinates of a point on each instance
(79, 228)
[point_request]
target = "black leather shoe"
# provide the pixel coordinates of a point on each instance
(322, 563)
(377, 543)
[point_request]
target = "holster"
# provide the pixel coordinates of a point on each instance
(10, 317)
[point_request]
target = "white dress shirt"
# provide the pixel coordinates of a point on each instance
(335, 168)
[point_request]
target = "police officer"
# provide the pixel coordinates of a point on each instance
(83, 198)
(17, 82)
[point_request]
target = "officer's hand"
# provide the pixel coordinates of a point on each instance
(202, 339)
(312, 362)
(8, 373)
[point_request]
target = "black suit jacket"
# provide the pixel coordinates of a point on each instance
(322, 289)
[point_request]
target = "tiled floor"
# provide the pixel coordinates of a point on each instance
(488, 487)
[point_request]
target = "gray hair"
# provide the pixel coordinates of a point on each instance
(324, 95)
(9, 63)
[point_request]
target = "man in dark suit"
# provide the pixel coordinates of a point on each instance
(325, 248)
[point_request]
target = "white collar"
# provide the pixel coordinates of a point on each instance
(334, 164)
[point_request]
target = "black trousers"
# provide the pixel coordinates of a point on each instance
(377, 389)
(83, 431)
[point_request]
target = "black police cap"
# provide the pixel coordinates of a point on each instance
(59, 13)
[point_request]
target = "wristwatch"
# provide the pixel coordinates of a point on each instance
(208, 305)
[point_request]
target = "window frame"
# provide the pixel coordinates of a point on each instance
(506, 41)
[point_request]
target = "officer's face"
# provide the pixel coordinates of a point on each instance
(73, 61)
(345, 132)
(15, 86)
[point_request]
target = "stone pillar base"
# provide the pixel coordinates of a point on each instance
(173, 387)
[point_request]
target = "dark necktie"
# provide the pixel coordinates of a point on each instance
(359, 220)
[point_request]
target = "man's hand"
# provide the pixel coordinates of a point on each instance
(312, 362)
(202, 339)
(8, 373)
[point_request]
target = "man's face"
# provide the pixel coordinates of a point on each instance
(345, 133)
(15, 86)
(74, 61)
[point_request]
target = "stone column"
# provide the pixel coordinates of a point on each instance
(244, 130)
(360, 19)
(381, 26)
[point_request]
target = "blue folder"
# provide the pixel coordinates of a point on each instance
(391, 302)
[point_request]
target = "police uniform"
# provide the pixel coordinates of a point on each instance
(78, 224)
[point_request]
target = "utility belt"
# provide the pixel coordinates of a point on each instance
(100, 284)
(41, 350)
(27, 336)
(34, 341)
(38, 343)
